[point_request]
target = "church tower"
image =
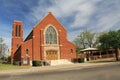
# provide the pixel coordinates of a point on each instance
(17, 36)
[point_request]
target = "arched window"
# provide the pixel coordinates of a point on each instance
(71, 50)
(17, 46)
(50, 36)
(27, 51)
(18, 30)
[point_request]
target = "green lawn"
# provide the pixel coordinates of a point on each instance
(10, 67)
(102, 60)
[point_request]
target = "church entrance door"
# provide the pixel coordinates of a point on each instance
(51, 55)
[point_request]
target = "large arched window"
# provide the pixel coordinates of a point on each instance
(50, 36)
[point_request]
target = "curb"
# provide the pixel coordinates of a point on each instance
(53, 68)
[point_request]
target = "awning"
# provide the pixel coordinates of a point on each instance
(89, 49)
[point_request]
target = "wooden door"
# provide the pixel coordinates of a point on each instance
(51, 55)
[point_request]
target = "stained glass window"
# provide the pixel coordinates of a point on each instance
(51, 36)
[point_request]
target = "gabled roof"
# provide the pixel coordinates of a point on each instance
(47, 17)
(29, 36)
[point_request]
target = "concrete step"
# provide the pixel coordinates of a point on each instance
(60, 62)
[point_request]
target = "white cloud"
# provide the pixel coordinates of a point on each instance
(81, 9)
(84, 12)
(72, 35)
(5, 33)
(108, 16)
(7, 41)
(106, 13)
(108, 21)
(63, 8)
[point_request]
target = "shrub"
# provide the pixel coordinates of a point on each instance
(3, 58)
(4, 62)
(9, 59)
(80, 60)
(36, 63)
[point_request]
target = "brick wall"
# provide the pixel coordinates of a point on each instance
(35, 41)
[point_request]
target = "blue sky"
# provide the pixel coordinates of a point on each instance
(74, 15)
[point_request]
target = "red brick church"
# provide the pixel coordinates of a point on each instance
(46, 42)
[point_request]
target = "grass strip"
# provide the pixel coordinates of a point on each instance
(11, 67)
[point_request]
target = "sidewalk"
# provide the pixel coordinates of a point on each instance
(52, 68)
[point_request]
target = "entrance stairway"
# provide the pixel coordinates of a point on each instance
(60, 62)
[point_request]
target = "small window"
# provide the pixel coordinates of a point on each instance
(71, 51)
(17, 46)
(25, 61)
(27, 51)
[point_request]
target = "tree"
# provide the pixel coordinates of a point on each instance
(91, 38)
(110, 40)
(86, 39)
(3, 47)
(79, 41)
(3, 58)
(78, 49)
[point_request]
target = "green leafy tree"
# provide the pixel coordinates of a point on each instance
(80, 41)
(78, 49)
(91, 38)
(86, 39)
(3, 47)
(3, 58)
(110, 40)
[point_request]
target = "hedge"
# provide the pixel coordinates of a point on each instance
(36, 63)
(80, 60)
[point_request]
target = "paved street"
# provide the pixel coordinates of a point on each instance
(107, 72)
